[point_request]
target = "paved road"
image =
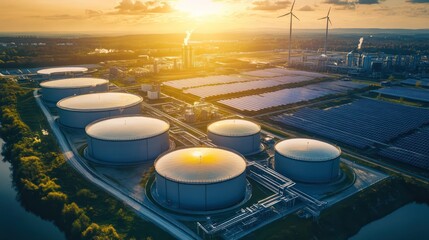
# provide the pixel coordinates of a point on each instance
(169, 225)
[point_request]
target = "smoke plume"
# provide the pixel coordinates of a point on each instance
(360, 43)
(188, 36)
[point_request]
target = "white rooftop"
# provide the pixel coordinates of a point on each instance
(307, 150)
(74, 83)
(99, 101)
(127, 128)
(234, 128)
(48, 71)
(200, 165)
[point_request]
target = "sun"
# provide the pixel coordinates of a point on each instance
(198, 8)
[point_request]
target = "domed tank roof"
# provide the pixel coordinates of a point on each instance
(307, 150)
(200, 165)
(127, 128)
(74, 83)
(99, 101)
(234, 128)
(48, 71)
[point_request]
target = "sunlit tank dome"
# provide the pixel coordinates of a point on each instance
(54, 91)
(192, 178)
(127, 140)
(237, 134)
(79, 111)
(307, 160)
(62, 70)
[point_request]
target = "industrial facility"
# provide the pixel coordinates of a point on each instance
(240, 135)
(307, 160)
(127, 140)
(79, 111)
(195, 178)
(54, 91)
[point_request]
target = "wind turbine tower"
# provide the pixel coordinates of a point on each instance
(328, 21)
(290, 28)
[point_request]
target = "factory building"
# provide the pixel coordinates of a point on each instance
(307, 160)
(200, 179)
(54, 91)
(79, 111)
(240, 135)
(127, 140)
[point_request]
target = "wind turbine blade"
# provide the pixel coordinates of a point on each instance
(329, 20)
(284, 15)
(293, 4)
(322, 18)
(295, 17)
(329, 11)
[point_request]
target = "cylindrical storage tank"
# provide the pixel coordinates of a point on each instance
(240, 135)
(62, 71)
(79, 111)
(127, 140)
(54, 91)
(200, 179)
(307, 160)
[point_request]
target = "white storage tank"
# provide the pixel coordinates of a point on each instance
(240, 135)
(54, 91)
(79, 111)
(200, 179)
(307, 160)
(127, 140)
(62, 71)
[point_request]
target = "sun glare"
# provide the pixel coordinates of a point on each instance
(198, 8)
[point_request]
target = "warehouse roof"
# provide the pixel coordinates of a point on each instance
(307, 150)
(200, 165)
(48, 71)
(127, 128)
(74, 83)
(99, 101)
(234, 128)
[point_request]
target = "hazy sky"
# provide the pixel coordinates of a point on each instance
(205, 15)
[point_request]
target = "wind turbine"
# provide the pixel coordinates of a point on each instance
(290, 29)
(328, 21)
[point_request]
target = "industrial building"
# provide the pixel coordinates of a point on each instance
(240, 135)
(127, 140)
(195, 179)
(54, 91)
(79, 111)
(307, 160)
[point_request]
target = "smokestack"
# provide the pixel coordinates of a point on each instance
(187, 52)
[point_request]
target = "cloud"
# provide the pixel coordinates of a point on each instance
(59, 17)
(269, 5)
(306, 8)
(142, 7)
(418, 1)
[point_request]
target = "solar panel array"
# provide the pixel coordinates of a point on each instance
(412, 149)
(203, 81)
(414, 82)
(409, 93)
(359, 124)
(273, 72)
(290, 96)
(210, 91)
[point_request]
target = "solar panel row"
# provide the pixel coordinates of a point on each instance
(209, 91)
(409, 93)
(290, 96)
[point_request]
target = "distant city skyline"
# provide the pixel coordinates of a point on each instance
(175, 16)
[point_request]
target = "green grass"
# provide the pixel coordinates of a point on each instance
(30, 113)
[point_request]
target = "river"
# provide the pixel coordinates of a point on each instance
(407, 222)
(15, 221)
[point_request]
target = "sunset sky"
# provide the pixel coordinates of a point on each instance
(129, 16)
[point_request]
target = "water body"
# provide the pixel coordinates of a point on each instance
(15, 221)
(407, 222)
